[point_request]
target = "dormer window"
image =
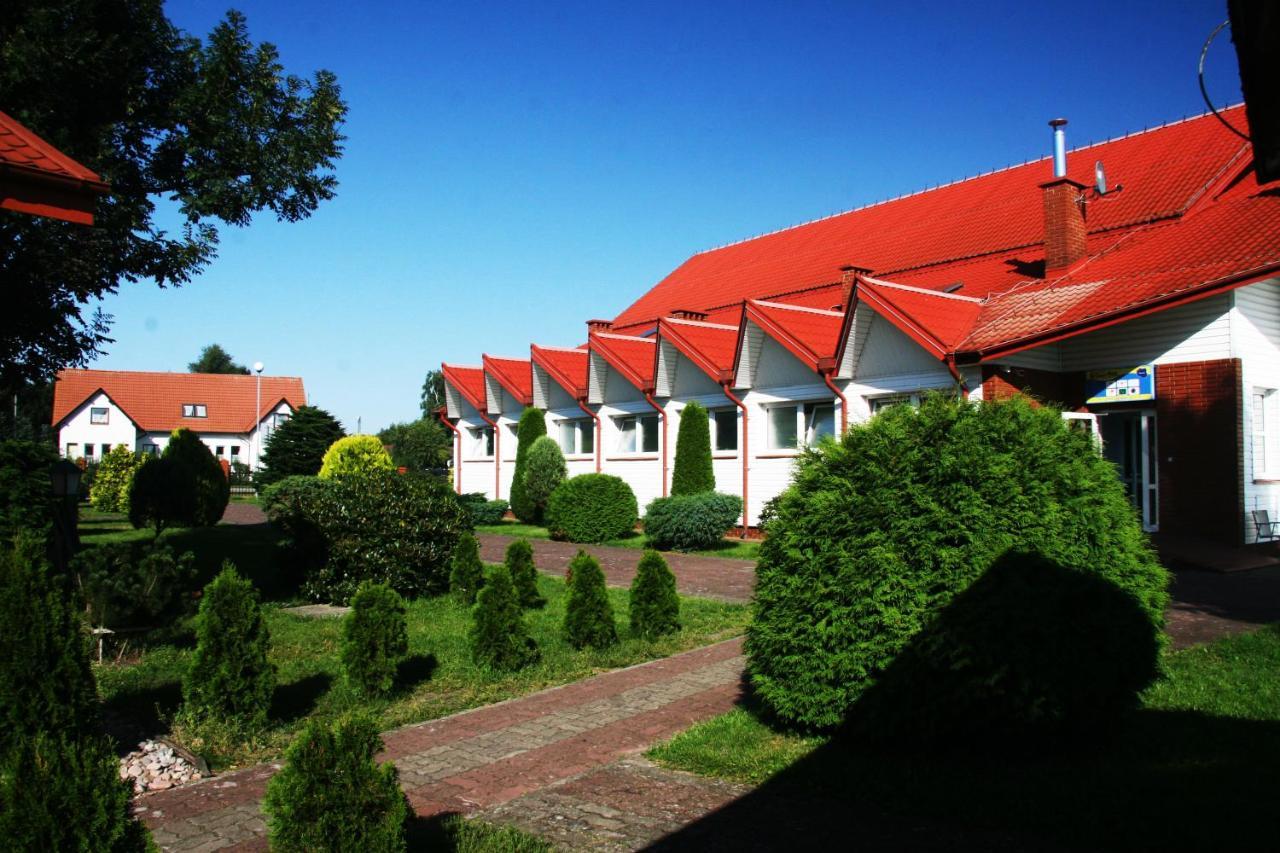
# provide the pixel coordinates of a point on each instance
(194, 410)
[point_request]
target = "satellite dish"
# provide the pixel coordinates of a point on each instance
(257, 367)
(1099, 178)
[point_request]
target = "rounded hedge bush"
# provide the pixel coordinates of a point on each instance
(114, 478)
(591, 508)
(655, 606)
(955, 567)
(375, 638)
(353, 456)
(482, 510)
(690, 522)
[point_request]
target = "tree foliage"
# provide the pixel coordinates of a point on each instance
(375, 638)
(692, 473)
(420, 445)
(26, 494)
(355, 456)
(544, 471)
(214, 129)
(524, 574)
(499, 638)
(184, 487)
(214, 359)
(591, 508)
(298, 445)
(531, 427)
(655, 605)
(588, 615)
(114, 479)
(432, 397)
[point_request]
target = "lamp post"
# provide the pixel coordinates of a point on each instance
(257, 419)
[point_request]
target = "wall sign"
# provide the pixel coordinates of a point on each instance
(1121, 385)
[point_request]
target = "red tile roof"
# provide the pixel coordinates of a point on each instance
(635, 358)
(937, 321)
(711, 346)
(514, 374)
(469, 382)
(811, 334)
(153, 401)
(568, 367)
(37, 178)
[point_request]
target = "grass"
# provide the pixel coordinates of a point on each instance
(1193, 769)
(737, 549)
(457, 834)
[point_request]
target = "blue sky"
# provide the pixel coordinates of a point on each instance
(514, 170)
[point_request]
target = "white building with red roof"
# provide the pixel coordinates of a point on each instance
(1148, 310)
(233, 414)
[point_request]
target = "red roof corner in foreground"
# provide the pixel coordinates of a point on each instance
(810, 334)
(937, 321)
(635, 358)
(513, 374)
(568, 367)
(467, 381)
(38, 179)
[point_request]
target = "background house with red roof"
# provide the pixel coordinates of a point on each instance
(95, 410)
(1146, 305)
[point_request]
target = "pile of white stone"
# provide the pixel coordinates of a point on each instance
(155, 766)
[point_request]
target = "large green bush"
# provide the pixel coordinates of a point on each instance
(134, 584)
(355, 456)
(654, 603)
(544, 471)
(524, 574)
(591, 508)
(690, 522)
(332, 796)
(375, 638)
(692, 473)
(114, 478)
(229, 681)
(466, 572)
(532, 426)
(291, 504)
(588, 615)
(297, 446)
(482, 510)
(498, 636)
(184, 487)
(26, 493)
(880, 558)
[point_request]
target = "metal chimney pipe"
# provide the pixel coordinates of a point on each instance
(1059, 147)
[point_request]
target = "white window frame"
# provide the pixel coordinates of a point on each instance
(1263, 421)
(481, 442)
(642, 430)
(1088, 422)
(73, 450)
(805, 429)
(195, 410)
(584, 434)
(714, 416)
(99, 415)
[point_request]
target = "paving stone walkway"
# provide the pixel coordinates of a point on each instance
(486, 757)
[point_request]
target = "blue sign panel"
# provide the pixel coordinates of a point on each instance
(1121, 385)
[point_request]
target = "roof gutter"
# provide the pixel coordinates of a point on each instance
(724, 386)
(457, 454)
(662, 413)
(844, 404)
(595, 417)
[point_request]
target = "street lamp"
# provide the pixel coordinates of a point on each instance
(257, 419)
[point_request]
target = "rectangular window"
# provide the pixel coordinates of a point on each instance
(106, 448)
(151, 449)
(790, 425)
(219, 450)
(235, 451)
(88, 451)
(577, 436)
(73, 449)
(483, 437)
(819, 420)
(1264, 432)
(638, 433)
(98, 415)
(782, 427)
(724, 425)
(194, 410)
(879, 404)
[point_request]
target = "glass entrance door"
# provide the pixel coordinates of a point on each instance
(1129, 443)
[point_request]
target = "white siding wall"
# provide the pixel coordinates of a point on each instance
(1255, 339)
(770, 470)
(888, 352)
(78, 430)
(258, 440)
(477, 470)
(507, 418)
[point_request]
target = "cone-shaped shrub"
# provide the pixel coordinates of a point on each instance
(588, 616)
(229, 681)
(355, 456)
(692, 473)
(374, 638)
(532, 426)
(655, 606)
(332, 796)
(466, 573)
(544, 470)
(498, 635)
(198, 471)
(524, 574)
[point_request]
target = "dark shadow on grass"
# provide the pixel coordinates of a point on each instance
(298, 699)
(136, 715)
(414, 670)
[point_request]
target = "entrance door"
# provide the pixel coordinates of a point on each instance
(1129, 442)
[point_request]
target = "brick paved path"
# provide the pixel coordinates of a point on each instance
(488, 756)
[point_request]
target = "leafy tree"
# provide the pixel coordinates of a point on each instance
(693, 473)
(184, 487)
(216, 128)
(374, 638)
(214, 359)
(524, 574)
(498, 635)
(26, 499)
(588, 615)
(466, 574)
(355, 456)
(298, 445)
(418, 445)
(114, 479)
(544, 471)
(432, 394)
(532, 426)
(655, 606)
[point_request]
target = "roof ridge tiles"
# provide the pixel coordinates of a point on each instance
(879, 282)
(804, 308)
(700, 323)
(617, 336)
(558, 349)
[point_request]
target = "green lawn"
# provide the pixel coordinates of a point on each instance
(736, 548)
(1194, 769)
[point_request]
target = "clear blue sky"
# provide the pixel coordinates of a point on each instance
(514, 170)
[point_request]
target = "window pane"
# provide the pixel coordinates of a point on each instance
(587, 436)
(726, 429)
(820, 420)
(626, 435)
(567, 431)
(88, 451)
(98, 416)
(650, 425)
(488, 441)
(782, 427)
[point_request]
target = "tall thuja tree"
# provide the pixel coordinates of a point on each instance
(532, 426)
(544, 470)
(199, 472)
(298, 445)
(693, 472)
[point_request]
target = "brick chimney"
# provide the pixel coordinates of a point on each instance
(1064, 231)
(599, 325)
(848, 276)
(686, 314)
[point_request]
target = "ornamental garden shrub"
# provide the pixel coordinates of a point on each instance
(331, 795)
(903, 547)
(466, 573)
(375, 638)
(110, 491)
(591, 508)
(655, 606)
(482, 510)
(544, 471)
(298, 445)
(292, 504)
(498, 636)
(532, 426)
(355, 456)
(524, 574)
(690, 522)
(26, 498)
(229, 682)
(588, 615)
(204, 485)
(134, 584)
(692, 473)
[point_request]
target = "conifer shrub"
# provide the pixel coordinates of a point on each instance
(899, 551)
(588, 615)
(331, 795)
(692, 473)
(297, 446)
(524, 574)
(134, 584)
(204, 489)
(690, 522)
(482, 510)
(544, 471)
(532, 426)
(498, 636)
(655, 605)
(355, 456)
(26, 498)
(114, 478)
(229, 682)
(466, 573)
(591, 508)
(375, 638)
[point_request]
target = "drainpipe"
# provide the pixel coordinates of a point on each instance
(663, 414)
(497, 453)
(955, 373)
(457, 453)
(595, 417)
(844, 404)
(743, 406)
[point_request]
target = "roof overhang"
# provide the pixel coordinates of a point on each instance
(51, 196)
(755, 312)
(670, 331)
(454, 381)
(602, 345)
(575, 387)
(494, 367)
